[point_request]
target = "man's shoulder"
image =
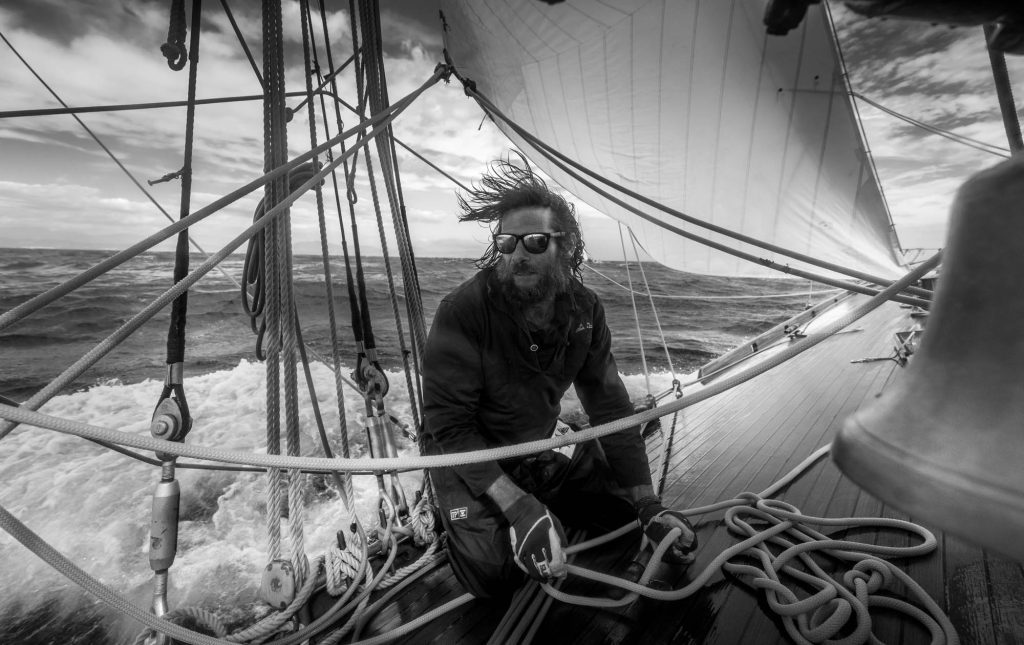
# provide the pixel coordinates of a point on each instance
(471, 290)
(584, 296)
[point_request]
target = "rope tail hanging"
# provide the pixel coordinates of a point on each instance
(174, 49)
(173, 391)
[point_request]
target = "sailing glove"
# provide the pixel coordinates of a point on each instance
(657, 521)
(538, 542)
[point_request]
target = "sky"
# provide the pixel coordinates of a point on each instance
(58, 189)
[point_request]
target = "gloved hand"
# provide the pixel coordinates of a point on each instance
(538, 542)
(657, 521)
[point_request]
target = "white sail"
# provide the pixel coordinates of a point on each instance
(691, 104)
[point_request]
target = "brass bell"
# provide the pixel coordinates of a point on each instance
(945, 443)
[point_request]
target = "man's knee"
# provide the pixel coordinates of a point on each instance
(494, 578)
(478, 542)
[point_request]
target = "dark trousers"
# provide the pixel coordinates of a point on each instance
(580, 492)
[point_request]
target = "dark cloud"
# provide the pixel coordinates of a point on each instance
(902, 56)
(405, 24)
(63, 21)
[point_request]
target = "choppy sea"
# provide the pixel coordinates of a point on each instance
(93, 505)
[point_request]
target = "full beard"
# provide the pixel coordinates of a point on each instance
(552, 281)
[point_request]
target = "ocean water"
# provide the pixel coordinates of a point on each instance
(93, 505)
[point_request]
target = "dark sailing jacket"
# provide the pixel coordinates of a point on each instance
(488, 383)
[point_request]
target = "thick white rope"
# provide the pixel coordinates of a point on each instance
(13, 526)
(815, 618)
(21, 415)
(342, 567)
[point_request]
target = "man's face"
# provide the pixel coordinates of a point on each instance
(530, 277)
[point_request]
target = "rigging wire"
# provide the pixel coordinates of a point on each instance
(555, 157)
(952, 136)
(654, 309)
(837, 47)
(107, 150)
(344, 482)
(677, 297)
(127, 107)
(376, 88)
(26, 308)
(563, 162)
(241, 41)
(129, 327)
(636, 315)
(354, 306)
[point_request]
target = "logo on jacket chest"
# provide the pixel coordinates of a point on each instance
(584, 326)
(458, 513)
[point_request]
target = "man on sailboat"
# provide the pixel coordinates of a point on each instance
(503, 349)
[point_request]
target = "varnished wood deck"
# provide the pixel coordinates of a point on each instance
(744, 440)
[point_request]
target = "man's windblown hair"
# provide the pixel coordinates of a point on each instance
(509, 186)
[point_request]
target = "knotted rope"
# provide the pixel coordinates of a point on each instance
(342, 567)
(174, 49)
(421, 521)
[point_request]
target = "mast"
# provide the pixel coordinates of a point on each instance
(1005, 92)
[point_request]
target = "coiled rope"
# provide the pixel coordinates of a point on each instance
(823, 614)
(174, 49)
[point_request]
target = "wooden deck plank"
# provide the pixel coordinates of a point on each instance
(808, 430)
(966, 581)
(785, 399)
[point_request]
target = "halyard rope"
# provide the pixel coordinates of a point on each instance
(344, 480)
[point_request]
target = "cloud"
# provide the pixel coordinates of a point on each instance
(934, 74)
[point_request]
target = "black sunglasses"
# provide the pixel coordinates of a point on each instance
(532, 242)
